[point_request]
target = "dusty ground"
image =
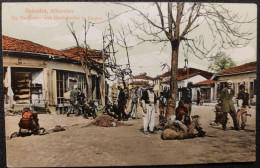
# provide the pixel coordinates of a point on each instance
(82, 145)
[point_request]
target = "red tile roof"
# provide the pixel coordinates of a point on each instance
(9, 43)
(206, 82)
(139, 83)
(242, 68)
(183, 77)
(182, 73)
(82, 51)
(13, 44)
(164, 75)
(142, 77)
(187, 76)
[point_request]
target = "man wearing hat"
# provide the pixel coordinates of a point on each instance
(73, 100)
(121, 105)
(186, 97)
(148, 100)
(243, 102)
(227, 105)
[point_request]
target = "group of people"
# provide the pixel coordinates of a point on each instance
(121, 102)
(79, 106)
(182, 114)
(146, 98)
(227, 106)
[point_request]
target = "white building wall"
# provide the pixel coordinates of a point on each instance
(65, 66)
(237, 78)
(194, 79)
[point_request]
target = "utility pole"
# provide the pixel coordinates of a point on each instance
(187, 69)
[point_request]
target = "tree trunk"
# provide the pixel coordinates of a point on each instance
(173, 82)
(88, 86)
(103, 85)
(102, 90)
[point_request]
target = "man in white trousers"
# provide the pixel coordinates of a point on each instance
(148, 100)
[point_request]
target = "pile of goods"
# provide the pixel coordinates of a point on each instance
(57, 128)
(107, 121)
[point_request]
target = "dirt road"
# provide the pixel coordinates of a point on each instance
(82, 145)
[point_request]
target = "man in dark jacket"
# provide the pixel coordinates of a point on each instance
(227, 105)
(81, 103)
(186, 97)
(121, 105)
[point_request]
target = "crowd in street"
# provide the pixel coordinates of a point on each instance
(146, 98)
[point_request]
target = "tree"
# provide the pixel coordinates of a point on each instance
(175, 23)
(83, 48)
(221, 62)
(108, 50)
(83, 51)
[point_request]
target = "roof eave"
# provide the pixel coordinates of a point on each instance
(235, 73)
(34, 53)
(49, 56)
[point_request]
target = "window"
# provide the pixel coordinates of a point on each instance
(61, 85)
(220, 87)
(65, 82)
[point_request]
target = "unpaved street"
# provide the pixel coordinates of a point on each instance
(82, 145)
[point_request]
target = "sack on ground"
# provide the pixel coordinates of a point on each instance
(180, 125)
(169, 134)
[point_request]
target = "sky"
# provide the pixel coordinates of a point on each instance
(49, 28)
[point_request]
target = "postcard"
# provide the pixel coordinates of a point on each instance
(129, 83)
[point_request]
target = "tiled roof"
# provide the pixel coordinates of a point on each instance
(165, 74)
(241, 68)
(182, 73)
(188, 76)
(206, 82)
(183, 77)
(142, 77)
(12, 44)
(139, 83)
(82, 51)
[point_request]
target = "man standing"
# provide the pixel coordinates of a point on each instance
(133, 109)
(242, 97)
(81, 103)
(148, 104)
(162, 105)
(73, 100)
(186, 97)
(121, 105)
(227, 105)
